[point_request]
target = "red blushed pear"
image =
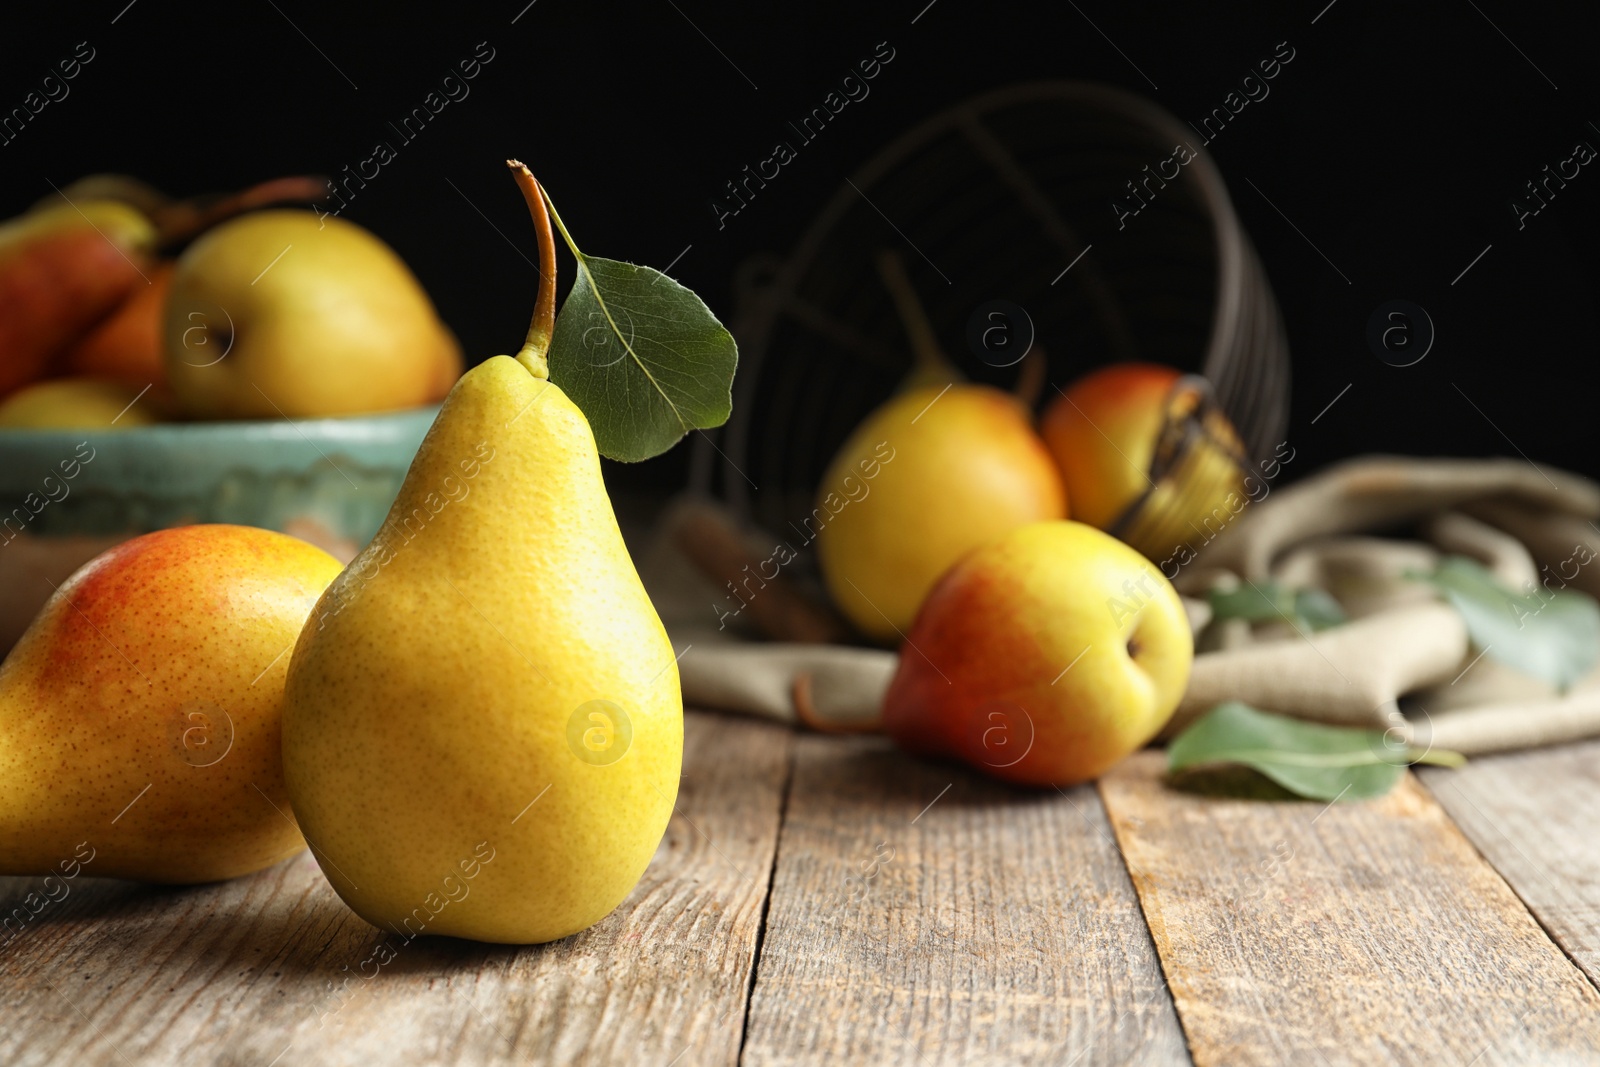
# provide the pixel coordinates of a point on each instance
(1103, 432)
(140, 713)
(1135, 430)
(62, 270)
(1042, 658)
(126, 347)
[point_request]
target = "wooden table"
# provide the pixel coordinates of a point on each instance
(827, 900)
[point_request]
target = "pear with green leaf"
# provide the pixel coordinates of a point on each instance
(483, 728)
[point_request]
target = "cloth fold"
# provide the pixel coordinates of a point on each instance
(1378, 492)
(1350, 675)
(844, 685)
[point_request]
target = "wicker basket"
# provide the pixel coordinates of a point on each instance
(1010, 195)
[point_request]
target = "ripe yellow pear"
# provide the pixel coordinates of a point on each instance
(139, 714)
(934, 473)
(483, 726)
(1043, 658)
(483, 730)
(283, 313)
(939, 469)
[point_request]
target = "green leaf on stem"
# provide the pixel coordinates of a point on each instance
(643, 357)
(1309, 759)
(1552, 635)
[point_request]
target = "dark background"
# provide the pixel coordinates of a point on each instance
(1395, 142)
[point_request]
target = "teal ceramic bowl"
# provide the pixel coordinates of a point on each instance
(67, 495)
(337, 474)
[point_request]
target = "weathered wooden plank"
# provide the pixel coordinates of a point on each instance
(1362, 932)
(922, 914)
(1536, 817)
(273, 968)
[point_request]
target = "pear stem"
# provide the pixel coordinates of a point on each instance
(179, 221)
(929, 363)
(1031, 374)
(532, 353)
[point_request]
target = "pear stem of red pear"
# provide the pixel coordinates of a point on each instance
(532, 353)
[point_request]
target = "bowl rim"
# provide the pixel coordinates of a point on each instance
(323, 426)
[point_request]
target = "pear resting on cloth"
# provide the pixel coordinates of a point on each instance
(1529, 526)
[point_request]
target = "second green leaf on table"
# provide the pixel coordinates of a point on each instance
(1310, 759)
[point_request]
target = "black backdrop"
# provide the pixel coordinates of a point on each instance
(1396, 143)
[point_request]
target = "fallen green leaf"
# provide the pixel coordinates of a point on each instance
(642, 356)
(1310, 759)
(1553, 636)
(1318, 609)
(1268, 601)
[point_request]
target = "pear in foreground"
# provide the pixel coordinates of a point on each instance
(1043, 658)
(483, 729)
(932, 474)
(139, 714)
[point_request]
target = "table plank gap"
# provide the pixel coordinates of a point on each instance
(274, 968)
(766, 904)
(922, 913)
(1351, 933)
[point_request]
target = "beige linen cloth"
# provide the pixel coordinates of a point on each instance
(1527, 524)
